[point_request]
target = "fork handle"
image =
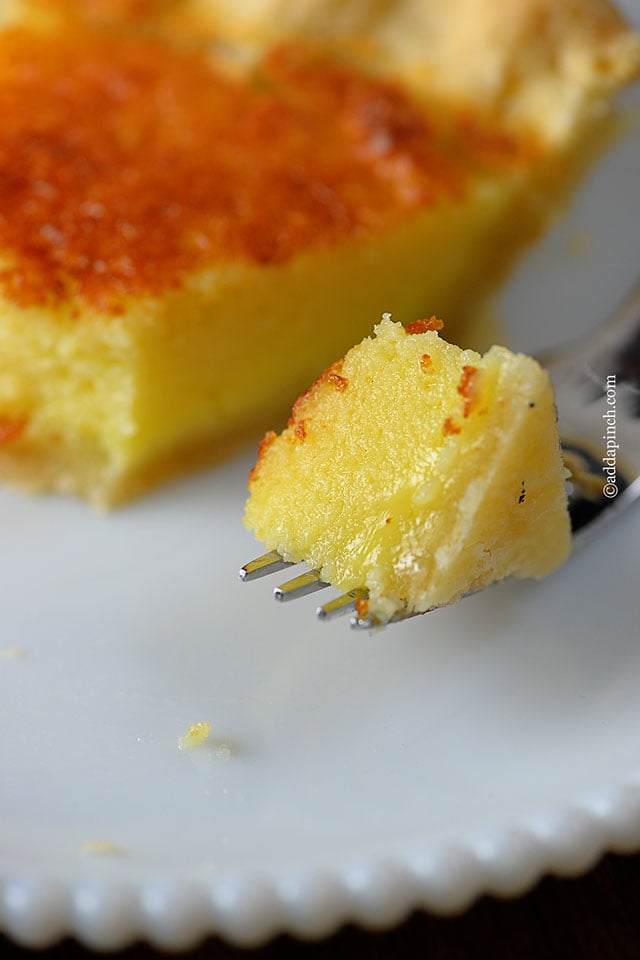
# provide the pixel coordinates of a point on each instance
(615, 349)
(629, 354)
(597, 388)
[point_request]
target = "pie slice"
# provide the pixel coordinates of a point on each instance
(190, 232)
(416, 470)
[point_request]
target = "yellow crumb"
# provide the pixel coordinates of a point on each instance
(101, 848)
(12, 653)
(195, 735)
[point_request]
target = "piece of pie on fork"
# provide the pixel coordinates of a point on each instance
(413, 472)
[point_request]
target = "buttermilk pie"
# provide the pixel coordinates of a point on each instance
(194, 222)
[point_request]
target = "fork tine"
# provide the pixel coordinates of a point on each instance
(367, 622)
(300, 586)
(262, 566)
(345, 603)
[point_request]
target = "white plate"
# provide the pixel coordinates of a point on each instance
(460, 753)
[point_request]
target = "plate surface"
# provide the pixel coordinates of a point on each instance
(347, 776)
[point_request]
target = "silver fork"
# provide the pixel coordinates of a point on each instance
(597, 388)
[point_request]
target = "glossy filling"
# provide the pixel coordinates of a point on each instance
(129, 163)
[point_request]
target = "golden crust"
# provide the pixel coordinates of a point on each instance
(47, 465)
(541, 64)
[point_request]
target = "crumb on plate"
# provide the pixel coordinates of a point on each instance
(101, 848)
(12, 653)
(195, 736)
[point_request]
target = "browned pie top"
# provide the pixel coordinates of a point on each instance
(126, 163)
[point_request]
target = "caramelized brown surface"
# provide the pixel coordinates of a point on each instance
(126, 163)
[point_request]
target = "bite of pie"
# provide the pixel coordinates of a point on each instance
(416, 471)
